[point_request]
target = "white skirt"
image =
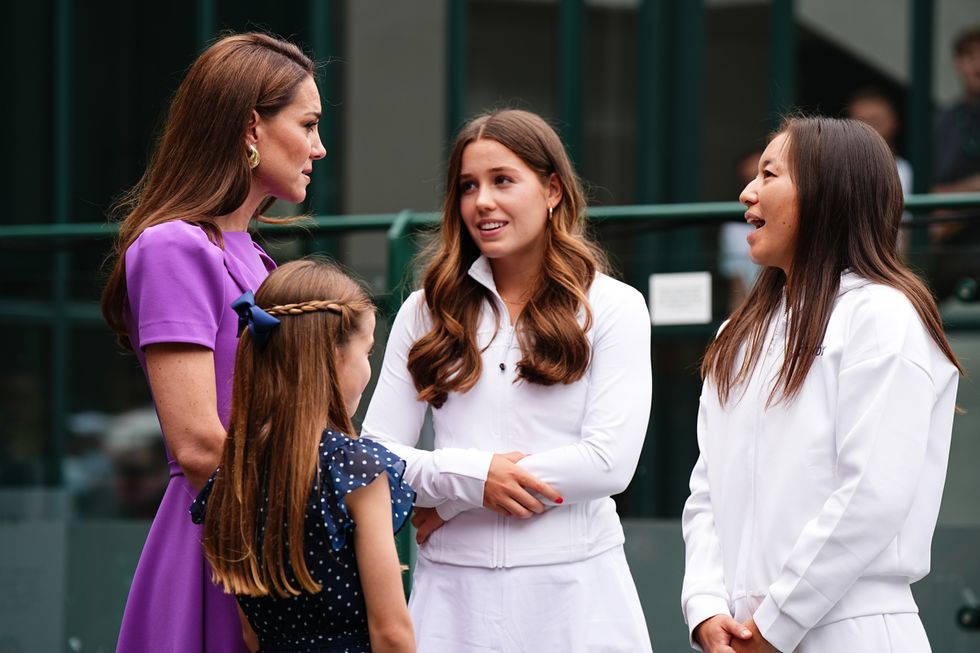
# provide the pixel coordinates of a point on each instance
(590, 606)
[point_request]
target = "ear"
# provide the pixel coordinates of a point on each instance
(554, 190)
(253, 128)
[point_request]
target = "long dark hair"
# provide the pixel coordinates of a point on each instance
(554, 345)
(850, 203)
(283, 396)
(199, 168)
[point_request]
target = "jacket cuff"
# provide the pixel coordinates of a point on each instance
(779, 629)
(699, 608)
(465, 470)
(449, 509)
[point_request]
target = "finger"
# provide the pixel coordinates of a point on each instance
(737, 629)
(527, 500)
(515, 509)
(514, 456)
(532, 482)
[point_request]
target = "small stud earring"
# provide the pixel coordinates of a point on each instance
(253, 157)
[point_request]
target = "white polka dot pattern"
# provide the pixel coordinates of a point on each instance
(335, 619)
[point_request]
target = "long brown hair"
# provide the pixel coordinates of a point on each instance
(199, 168)
(554, 345)
(283, 396)
(850, 203)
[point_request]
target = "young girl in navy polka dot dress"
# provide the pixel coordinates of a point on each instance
(291, 474)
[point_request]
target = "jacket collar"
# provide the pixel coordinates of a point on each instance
(481, 272)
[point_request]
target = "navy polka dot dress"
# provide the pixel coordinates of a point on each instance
(333, 620)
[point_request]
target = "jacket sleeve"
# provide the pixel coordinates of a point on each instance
(617, 408)
(394, 419)
(884, 407)
(703, 594)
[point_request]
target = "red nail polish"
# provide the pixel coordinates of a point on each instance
(559, 500)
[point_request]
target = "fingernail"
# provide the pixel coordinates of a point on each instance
(559, 500)
(746, 633)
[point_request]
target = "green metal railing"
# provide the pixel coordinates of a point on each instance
(400, 228)
(59, 313)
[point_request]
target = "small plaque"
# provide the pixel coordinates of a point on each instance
(680, 298)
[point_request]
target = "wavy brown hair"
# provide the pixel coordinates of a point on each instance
(199, 168)
(283, 396)
(554, 345)
(850, 203)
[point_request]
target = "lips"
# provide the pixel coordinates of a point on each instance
(754, 220)
(490, 228)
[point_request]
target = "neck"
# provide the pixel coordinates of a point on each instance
(516, 278)
(240, 218)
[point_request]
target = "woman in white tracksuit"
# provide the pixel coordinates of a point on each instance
(536, 365)
(825, 416)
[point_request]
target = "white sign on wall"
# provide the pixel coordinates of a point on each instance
(680, 298)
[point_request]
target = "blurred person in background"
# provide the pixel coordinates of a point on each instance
(956, 169)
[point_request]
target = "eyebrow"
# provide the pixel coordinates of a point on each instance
(495, 169)
(315, 114)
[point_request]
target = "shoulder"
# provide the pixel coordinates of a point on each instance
(875, 300)
(880, 320)
(336, 447)
(174, 237)
(413, 315)
(610, 296)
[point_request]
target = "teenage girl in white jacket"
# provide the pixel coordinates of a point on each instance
(537, 368)
(825, 416)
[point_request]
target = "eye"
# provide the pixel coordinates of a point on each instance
(467, 185)
(768, 173)
(312, 125)
(502, 180)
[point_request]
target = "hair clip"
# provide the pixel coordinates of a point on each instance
(259, 323)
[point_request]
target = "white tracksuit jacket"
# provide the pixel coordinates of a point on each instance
(584, 438)
(823, 508)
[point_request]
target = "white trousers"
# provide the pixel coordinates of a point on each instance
(590, 606)
(877, 633)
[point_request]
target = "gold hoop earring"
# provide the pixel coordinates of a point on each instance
(253, 157)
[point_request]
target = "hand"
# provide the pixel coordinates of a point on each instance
(718, 634)
(426, 521)
(506, 490)
(756, 643)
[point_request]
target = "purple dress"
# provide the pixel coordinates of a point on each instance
(180, 288)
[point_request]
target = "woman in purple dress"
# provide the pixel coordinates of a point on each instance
(241, 132)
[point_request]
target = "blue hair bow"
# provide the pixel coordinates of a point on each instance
(259, 323)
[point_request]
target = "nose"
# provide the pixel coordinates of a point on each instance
(748, 195)
(318, 151)
(484, 198)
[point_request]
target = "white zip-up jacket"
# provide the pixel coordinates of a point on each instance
(583, 438)
(823, 508)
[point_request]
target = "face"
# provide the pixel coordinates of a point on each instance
(288, 144)
(354, 368)
(504, 203)
(772, 209)
(878, 114)
(968, 67)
